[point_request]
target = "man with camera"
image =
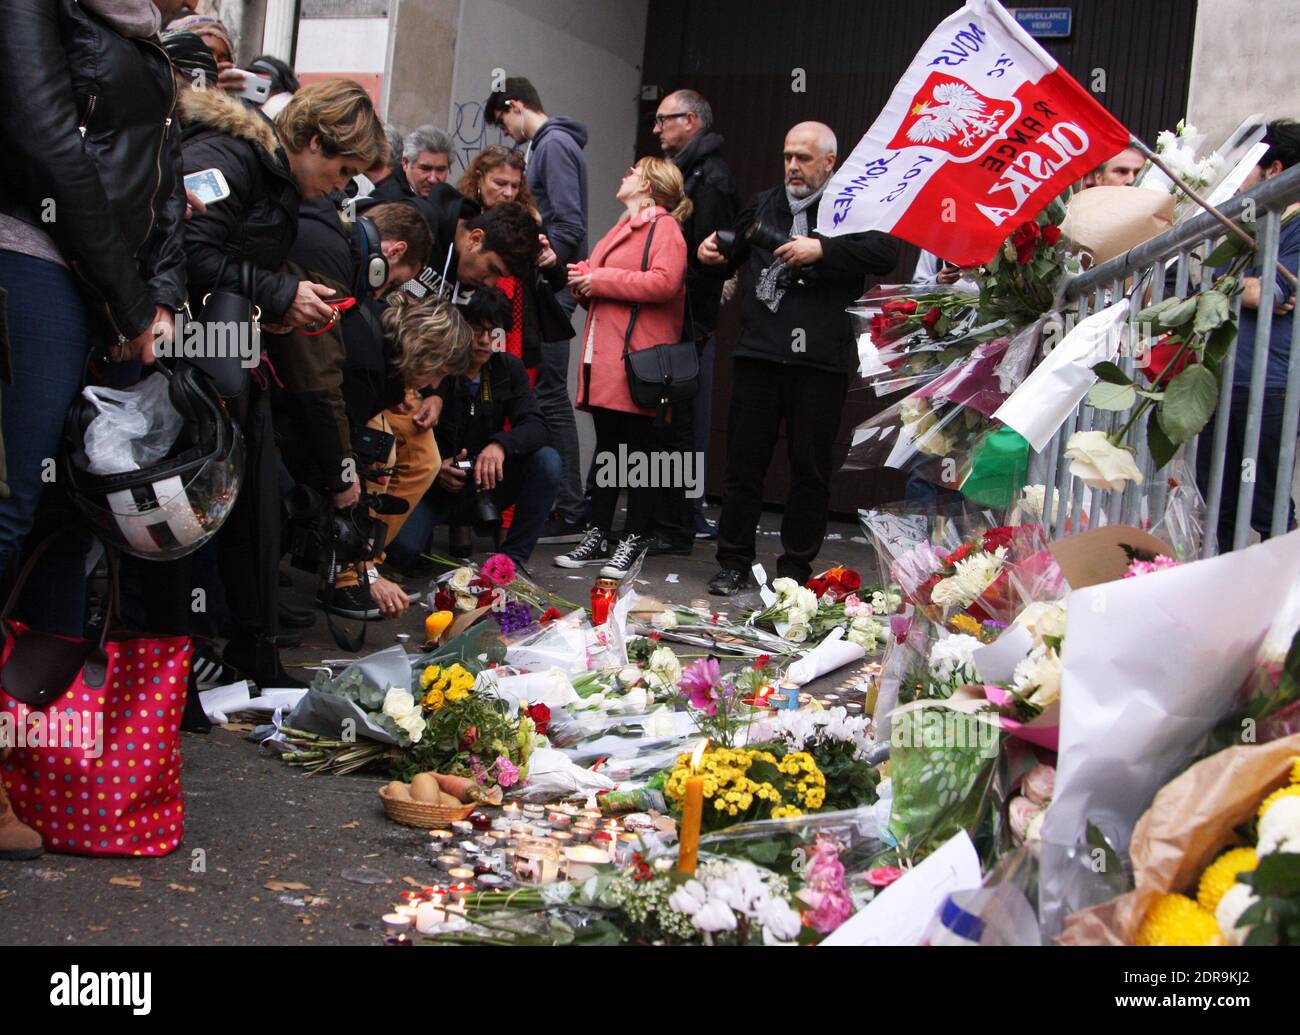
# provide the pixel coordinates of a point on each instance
(494, 442)
(794, 357)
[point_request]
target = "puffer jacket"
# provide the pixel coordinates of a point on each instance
(259, 221)
(90, 153)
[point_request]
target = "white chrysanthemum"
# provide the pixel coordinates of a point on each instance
(1279, 828)
(954, 658)
(972, 577)
(1038, 677)
(1235, 901)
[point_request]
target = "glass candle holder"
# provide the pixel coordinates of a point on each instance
(537, 862)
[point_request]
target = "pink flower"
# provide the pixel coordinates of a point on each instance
(853, 607)
(507, 772)
(824, 888)
(1147, 567)
(700, 682)
(499, 569)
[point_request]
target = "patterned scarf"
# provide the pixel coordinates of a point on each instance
(773, 281)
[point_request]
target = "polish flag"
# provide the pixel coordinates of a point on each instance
(981, 133)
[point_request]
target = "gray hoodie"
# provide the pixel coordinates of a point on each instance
(557, 176)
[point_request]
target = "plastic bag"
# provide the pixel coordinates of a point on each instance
(136, 427)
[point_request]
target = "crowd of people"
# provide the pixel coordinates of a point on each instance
(414, 335)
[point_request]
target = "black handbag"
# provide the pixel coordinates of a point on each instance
(232, 318)
(661, 375)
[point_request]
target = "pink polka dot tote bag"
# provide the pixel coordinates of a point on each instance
(94, 727)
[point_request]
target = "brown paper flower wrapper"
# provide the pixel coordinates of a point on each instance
(1189, 823)
(1108, 221)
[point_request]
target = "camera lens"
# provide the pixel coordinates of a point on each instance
(760, 235)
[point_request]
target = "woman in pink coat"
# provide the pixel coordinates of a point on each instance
(621, 274)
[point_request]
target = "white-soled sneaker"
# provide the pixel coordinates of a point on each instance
(594, 549)
(626, 554)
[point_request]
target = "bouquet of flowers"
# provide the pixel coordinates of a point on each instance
(745, 784)
(495, 584)
(827, 601)
(838, 745)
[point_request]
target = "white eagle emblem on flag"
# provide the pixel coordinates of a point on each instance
(953, 110)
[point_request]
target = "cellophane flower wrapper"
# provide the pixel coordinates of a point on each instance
(1181, 521)
(1267, 705)
(1004, 905)
(569, 643)
(930, 440)
(1189, 822)
(475, 649)
(783, 845)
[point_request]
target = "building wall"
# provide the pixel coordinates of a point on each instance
(1244, 62)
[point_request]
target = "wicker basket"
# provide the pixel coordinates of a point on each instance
(422, 813)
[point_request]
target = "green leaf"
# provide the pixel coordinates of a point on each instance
(1277, 875)
(1162, 450)
(1112, 397)
(1211, 311)
(1152, 312)
(1154, 396)
(1189, 403)
(1111, 374)
(1220, 340)
(1177, 315)
(1229, 248)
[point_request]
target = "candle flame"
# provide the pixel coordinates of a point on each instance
(698, 756)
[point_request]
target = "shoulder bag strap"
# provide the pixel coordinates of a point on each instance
(645, 264)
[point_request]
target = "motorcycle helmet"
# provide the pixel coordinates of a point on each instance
(170, 508)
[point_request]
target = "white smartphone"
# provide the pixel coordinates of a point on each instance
(208, 185)
(257, 88)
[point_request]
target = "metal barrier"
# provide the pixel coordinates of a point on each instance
(1149, 264)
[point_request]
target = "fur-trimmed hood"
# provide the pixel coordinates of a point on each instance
(220, 111)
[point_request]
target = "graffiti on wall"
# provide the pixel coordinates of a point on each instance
(470, 134)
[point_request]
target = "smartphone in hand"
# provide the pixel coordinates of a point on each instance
(208, 185)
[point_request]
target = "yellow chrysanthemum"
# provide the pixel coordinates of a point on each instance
(1295, 769)
(1221, 874)
(1282, 792)
(1177, 920)
(964, 624)
(434, 700)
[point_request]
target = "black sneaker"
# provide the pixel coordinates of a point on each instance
(593, 549)
(626, 554)
(728, 581)
(557, 531)
(657, 546)
(351, 602)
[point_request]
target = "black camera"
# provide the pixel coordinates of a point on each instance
(726, 242)
(319, 532)
(475, 506)
(760, 235)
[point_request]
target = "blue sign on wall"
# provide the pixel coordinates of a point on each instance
(1044, 22)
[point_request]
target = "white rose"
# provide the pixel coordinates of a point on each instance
(660, 724)
(466, 602)
(460, 580)
(785, 587)
(398, 703)
(1100, 464)
(629, 675)
(663, 663)
(413, 724)
(636, 699)
(794, 631)
(806, 600)
(664, 620)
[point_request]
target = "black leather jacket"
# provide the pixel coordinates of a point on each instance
(87, 135)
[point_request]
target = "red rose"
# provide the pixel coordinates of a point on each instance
(817, 585)
(932, 317)
(444, 600)
(551, 615)
(486, 597)
(850, 580)
(541, 716)
(899, 305)
(467, 741)
(655, 636)
(1158, 369)
(763, 661)
(1024, 240)
(996, 537)
(1051, 234)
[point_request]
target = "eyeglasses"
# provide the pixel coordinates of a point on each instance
(659, 120)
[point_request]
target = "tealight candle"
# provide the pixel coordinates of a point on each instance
(560, 819)
(593, 814)
(463, 827)
(501, 825)
(397, 923)
(603, 841)
(440, 837)
(853, 706)
(450, 861)
(535, 811)
(512, 810)
(568, 808)
(460, 891)
(583, 860)
(480, 821)
(406, 910)
(519, 828)
(485, 841)
(411, 898)
(460, 874)
(562, 838)
(491, 882)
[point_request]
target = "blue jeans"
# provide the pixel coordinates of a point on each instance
(557, 407)
(529, 484)
(49, 340)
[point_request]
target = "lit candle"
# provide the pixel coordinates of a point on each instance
(462, 874)
(511, 811)
(460, 891)
(688, 850)
(450, 861)
(583, 860)
(406, 910)
(395, 923)
(463, 827)
(440, 837)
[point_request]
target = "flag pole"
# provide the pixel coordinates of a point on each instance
(1228, 224)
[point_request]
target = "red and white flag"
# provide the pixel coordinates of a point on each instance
(981, 133)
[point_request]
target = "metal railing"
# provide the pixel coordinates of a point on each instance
(1146, 267)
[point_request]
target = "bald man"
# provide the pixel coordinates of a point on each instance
(793, 360)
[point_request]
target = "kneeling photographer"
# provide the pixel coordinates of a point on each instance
(494, 442)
